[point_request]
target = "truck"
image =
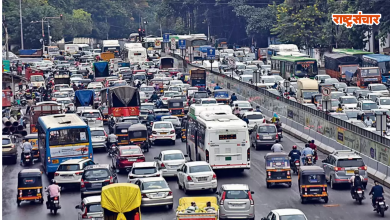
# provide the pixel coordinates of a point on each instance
(198, 78)
(30, 53)
(184, 213)
(336, 65)
(101, 71)
(364, 76)
(84, 97)
(43, 109)
(112, 46)
(61, 79)
(107, 56)
(306, 88)
(166, 63)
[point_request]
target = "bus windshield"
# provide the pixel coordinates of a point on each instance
(69, 136)
(306, 68)
(385, 68)
(369, 72)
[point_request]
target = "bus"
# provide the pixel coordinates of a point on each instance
(52, 50)
(274, 50)
(352, 52)
(378, 60)
(62, 137)
(42, 109)
(133, 37)
(290, 67)
(218, 137)
(134, 52)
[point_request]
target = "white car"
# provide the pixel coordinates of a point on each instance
(170, 161)
(70, 91)
(243, 105)
(196, 176)
(90, 208)
(383, 102)
(67, 102)
(163, 130)
(168, 95)
(178, 89)
(37, 81)
(378, 88)
(93, 117)
(205, 101)
(71, 171)
(267, 80)
(58, 95)
(282, 214)
(148, 90)
(143, 170)
(254, 118)
(348, 102)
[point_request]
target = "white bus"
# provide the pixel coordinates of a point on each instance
(74, 48)
(273, 50)
(134, 52)
(218, 137)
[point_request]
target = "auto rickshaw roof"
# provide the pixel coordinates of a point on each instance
(30, 173)
(311, 169)
(137, 127)
(30, 136)
(221, 90)
(82, 71)
(276, 154)
(174, 100)
(123, 125)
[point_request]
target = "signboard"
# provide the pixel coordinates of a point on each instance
(326, 105)
(166, 38)
(380, 121)
(173, 43)
(157, 44)
(211, 53)
(231, 62)
(326, 93)
(286, 84)
(6, 66)
(182, 44)
(69, 151)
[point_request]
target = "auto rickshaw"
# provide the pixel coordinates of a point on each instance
(33, 139)
(138, 135)
(184, 129)
(278, 169)
(29, 186)
(312, 183)
(121, 131)
(176, 107)
(222, 96)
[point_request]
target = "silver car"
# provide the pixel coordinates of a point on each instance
(93, 118)
(98, 137)
(235, 201)
(90, 208)
(155, 192)
(170, 161)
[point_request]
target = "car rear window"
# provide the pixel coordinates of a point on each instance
(160, 184)
(6, 141)
(130, 151)
(91, 115)
(97, 133)
(200, 95)
(292, 217)
(144, 170)
(94, 208)
(96, 174)
(177, 156)
(254, 116)
(356, 162)
(162, 125)
(68, 167)
(200, 168)
(267, 129)
(209, 102)
(237, 194)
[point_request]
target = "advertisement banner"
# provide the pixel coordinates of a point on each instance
(340, 135)
(69, 151)
(383, 154)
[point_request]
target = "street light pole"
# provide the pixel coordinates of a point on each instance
(21, 24)
(43, 36)
(48, 32)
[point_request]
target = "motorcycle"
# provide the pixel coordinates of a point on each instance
(309, 160)
(295, 166)
(23, 102)
(380, 206)
(111, 149)
(27, 159)
(358, 195)
(53, 204)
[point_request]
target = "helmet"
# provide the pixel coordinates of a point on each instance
(307, 145)
(53, 181)
(258, 106)
(236, 105)
(356, 171)
(234, 94)
(294, 147)
(312, 141)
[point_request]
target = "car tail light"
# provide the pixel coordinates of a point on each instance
(141, 158)
(99, 119)
(154, 132)
(248, 154)
(111, 180)
(144, 195)
(162, 165)
(170, 193)
(363, 168)
(257, 136)
(79, 173)
(207, 156)
(38, 190)
(276, 136)
(264, 120)
(172, 132)
(13, 146)
(56, 174)
(189, 179)
(250, 198)
(82, 184)
(223, 198)
(324, 189)
(84, 215)
(157, 175)
(131, 177)
(269, 174)
(338, 169)
(214, 176)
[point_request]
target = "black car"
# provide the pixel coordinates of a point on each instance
(95, 177)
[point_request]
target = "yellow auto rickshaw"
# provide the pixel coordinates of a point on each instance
(312, 183)
(121, 131)
(185, 210)
(33, 139)
(278, 169)
(138, 135)
(29, 186)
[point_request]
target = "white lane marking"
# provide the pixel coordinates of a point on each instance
(4, 166)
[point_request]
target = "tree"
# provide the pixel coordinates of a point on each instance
(79, 24)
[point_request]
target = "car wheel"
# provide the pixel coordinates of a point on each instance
(332, 186)
(268, 185)
(303, 200)
(256, 148)
(178, 183)
(326, 199)
(173, 142)
(185, 189)
(170, 206)
(15, 159)
(18, 202)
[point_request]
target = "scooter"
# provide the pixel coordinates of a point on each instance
(111, 149)
(309, 160)
(380, 206)
(358, 195)
(27, 159)
(295, 166)
(53, 204)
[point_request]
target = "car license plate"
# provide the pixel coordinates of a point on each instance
(296, 164)
(132, 159)
(359, 192)
(381, 203)
(237, 205)
(228, 158)
(27, 159)
(55, 201)
(55, 161)
(267, 137)
(278, 164)
(350, 172)
(163, 133)
(314, 190)
(96, 184)
(157, 196)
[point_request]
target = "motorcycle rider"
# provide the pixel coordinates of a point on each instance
(154, 97)
(217, 87)
(112, 140)
(150, 117)
(306, 151)
(53, 191)
(112, 123)
(277, 147)
(245, 119)
(26, 148)
(314, 147)
(257, 109)
(236, 110)
(294, 154)
(356, 182)
(376, 191)
(233, 97)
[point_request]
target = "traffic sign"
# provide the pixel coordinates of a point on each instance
(326, 91)
(166, 38)
(173, 43)
(381, 121)
(286, 84)
(211, 53)
(182, 44)
(157, 44)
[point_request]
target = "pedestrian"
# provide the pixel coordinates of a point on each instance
(19, 70)
(368, 122)
(20, 86)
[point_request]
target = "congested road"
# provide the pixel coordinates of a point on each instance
(340, 206)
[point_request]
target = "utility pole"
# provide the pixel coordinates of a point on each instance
(208, 31)
(6, 38)
(160, 30)
(48, 32)
(43, 36)
(21, 24)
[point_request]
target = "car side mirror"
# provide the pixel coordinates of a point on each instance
(252, 192)
(78, 207)
(156, 158)
(178, 170)
(324, 161)
(185, 155)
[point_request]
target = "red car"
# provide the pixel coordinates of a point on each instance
(173, 71)
(125, 156)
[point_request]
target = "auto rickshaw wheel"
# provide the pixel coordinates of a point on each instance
(18, 202)
(289, 185)
(268, 185)
(303, 200)
(41, 201)
(326, 199)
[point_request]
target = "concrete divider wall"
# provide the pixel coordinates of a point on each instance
(307, 126)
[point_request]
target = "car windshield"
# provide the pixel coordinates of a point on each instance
(63, 95)
(64, 101)
(209, 102)
(144, 170)
(267, 129)
(351, 114)
(268, 80)
(323, 77)
(175, 89)
(292, 217)
(369, 106)
(162, 125)
(254, 116)
(200, 168)
(355, 162)
(148, 107)
(94, 208)
(161, 112)
(131, 120)
(173, 120)
(331, 80)
(176, 156)
(335, 103)
(96, 174)
(308, 94)
(378, 87)
(68, 167)
(351, 100)
(38, 78)
(130, 151)
(183, 98)
(147, 89)
(200, 95)
(221, 94)
(97, 133)
(6, 141)
(77, 76)
(363, 92)
(351, 89)
(384, 101)
(153, 185)
(139, 77)
(237, 194)
(120, 83)
(244, 105)
(91, 115)
(170, 94)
